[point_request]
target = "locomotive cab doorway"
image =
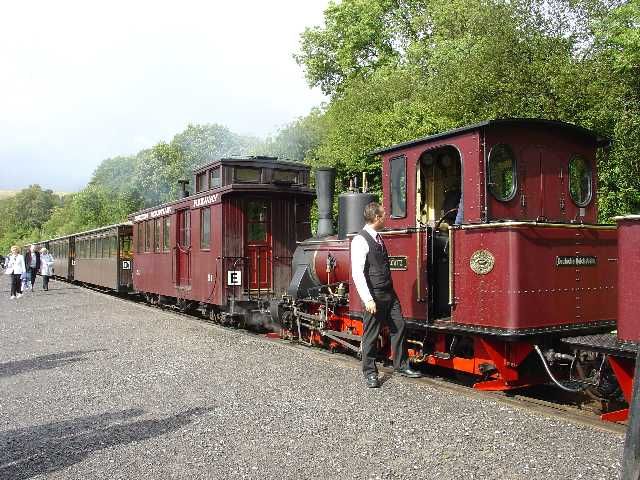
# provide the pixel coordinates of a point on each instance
(439, 204)
(258, 244)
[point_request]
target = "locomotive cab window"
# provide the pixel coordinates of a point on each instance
(247, 175)
(399, 187)
(502, 172)
(580, 180)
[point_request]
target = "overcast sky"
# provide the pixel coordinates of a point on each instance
(81, 81)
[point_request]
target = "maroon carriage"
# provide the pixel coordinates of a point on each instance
(620, 348)
(494, 251)
(227, 248)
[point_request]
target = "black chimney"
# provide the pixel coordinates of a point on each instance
(183, 188)
(325, 183)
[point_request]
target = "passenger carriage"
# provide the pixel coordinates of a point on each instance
(227, 248)
(62, 249)
(103, 257)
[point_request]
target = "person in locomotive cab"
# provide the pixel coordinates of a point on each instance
(372, 276)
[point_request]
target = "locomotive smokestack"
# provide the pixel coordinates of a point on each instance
(325, 184)
(183, 188)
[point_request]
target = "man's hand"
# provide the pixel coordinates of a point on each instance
(370, 307)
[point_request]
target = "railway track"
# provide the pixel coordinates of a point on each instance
(545, 401)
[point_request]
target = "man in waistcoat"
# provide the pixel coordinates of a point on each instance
(372, 276)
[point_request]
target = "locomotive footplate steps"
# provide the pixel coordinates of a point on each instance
(621, 356)
(604, 343)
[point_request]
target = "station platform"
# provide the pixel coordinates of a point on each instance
(96, 387)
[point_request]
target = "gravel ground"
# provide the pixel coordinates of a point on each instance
(95, 387)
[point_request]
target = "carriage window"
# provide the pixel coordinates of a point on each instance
(205, 227)
(114, 246)
(139, 239)
(502, 172)
(147, 236)
(257, 221)
(125, 246)
(185, 229)
(247, 175)
(580, 181)
(201, 182)
(285, 176)
(165, 233)
(156, 235)
(399, 187)
(216, 180)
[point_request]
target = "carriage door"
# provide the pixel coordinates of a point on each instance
(258, 222)
(183, 248)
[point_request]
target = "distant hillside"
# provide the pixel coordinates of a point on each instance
(7, 193)
(10, 193)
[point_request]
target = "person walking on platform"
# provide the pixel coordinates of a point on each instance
(32, 262)
(15, 268)
(372, 276)
(46, 267)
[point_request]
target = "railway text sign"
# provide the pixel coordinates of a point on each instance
(234, 277)
(576, 261)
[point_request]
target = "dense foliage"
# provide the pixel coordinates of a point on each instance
(118, 187)
(397, 70)
(394, 70)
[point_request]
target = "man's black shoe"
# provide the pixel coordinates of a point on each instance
(408, 372)
(372, 380)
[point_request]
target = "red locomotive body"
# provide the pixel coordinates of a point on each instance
(493, 249)
(227, 248)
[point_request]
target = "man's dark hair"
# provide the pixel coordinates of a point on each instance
(371, 211)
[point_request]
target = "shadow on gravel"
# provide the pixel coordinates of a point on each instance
(27, 452)
(44, 362)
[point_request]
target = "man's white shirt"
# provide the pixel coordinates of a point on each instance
(359, 251)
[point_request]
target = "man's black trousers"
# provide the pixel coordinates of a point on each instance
(16, 284)
(387, 312)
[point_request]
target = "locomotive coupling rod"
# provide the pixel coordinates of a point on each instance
(340, 341)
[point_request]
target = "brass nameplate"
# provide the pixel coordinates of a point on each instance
(397, 263)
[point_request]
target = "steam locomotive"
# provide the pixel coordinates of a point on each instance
(500, 267)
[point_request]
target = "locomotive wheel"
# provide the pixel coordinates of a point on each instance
(214, 315)
(182, 304)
